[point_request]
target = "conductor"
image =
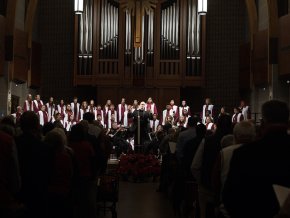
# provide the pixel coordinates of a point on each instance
(140, 126)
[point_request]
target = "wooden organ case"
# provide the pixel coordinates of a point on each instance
(170, 53)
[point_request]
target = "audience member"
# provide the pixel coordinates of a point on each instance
(255, 167)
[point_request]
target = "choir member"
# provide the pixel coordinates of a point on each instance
(92, 108)
(84, 109)
(175, 110)
(140, 124)
(184, 107)
(209, 124)
(100, 121)
(182, 122)
(122, 108)
(167, 112)
(69, 122)
(130, 119)
(237, 116)
(135, 105)
(245, 110)
(17, 115)
(223, 111)
(154, 123)
(150, 106)
(37, 104)
(75, 107)
(68, 113)
(111, 115)
(50, 108)
(207, 114)
(43, 115)
(107, 106)
(28, 104)
(61, 108)
(208, 106)
(100, 112)
(126, 122)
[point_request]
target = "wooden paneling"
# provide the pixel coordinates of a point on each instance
(245, 66)
(20, 56)
(260, 58)
(2, 43)
(35, 65)
(284, 46)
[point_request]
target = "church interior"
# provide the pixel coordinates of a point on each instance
(206, 55)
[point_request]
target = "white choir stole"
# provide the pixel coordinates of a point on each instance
(152, 108)
(210, 126)
(27, 106)
(51, 111)
(35, 102)
(82, 112)
(245, 111)
(68, 125)
(110, 118)
(209, 108)
(41, 117)
(125, 123)
(61, 109)
(155, 124)
(171, 113)
(120, 111)
(239, 118)
(73, 110)
(181, 110)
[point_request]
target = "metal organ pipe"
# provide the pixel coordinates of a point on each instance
(177, 26)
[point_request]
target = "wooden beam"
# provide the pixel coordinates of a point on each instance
(31, 9)
(273, 18)
(253, 18)
(10, 17)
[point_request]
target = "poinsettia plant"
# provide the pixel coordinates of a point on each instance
(138, 166)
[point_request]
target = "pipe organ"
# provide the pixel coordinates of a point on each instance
(170, 50)
(193, 39)
(85, 35)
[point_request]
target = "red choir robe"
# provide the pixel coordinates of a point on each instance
(61, 109)
(181, 108)
(165, 114)
(75, 107)
(153, 125)
(37, 105)
(206, 108)
(176, 113)
(121, 110)
(236, 118)
(50, 108)
(108, 120)
(151, 107)
(43, 117)
(28, 106)
(68, 122)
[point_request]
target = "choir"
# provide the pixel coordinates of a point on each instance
(176, 116)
